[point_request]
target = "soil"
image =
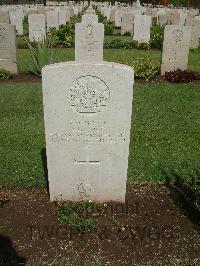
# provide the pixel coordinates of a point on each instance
(22, 78)
(29, 78)
(154, 227)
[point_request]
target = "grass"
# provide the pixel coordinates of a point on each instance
(164, 135)
(116, 55)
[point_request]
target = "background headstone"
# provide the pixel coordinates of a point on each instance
(52, 20)
(142, 24)
(37, 27)
(89, 39)
(175, 48)
(4, 17)
(127, 23)
(8, 60)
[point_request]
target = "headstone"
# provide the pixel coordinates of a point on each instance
(4, 17)
(173, 18)
(90, 10)
(37, 27)
(183, 17)
(162, 19)
(195, 32)
(175, 48)
(52, 19)
(118, 18)
(142, 24)
(89, 41)
(89, 18)
(17, 20)
(127, 23)
(112, 14)
(62, 17)
(87, 129)
(8, 60)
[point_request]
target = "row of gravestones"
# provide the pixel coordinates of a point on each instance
(87, 113)
(89, 44)
(52, 16)
(139, 25)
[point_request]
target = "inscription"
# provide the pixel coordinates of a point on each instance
(87, 132)
(88, 94)
(177, 35)
(2, 36)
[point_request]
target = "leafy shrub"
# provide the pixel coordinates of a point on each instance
(156, 36)
(144, 68)
(118, 44)
(5, 74)
(181, 76)
(41, 54)
(78, 215)
(127, 33)
(63, 36)
(109, 28)
(141, 45)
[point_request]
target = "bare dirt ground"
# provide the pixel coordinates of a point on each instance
(154, 227)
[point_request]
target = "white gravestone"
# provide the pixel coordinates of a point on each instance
(87, 112)
(195, 32)
(62, 17)
(4, 17)
(118, 18)
(37, 27)
(89, 41)
(89, 18)
(8, 60)
(175, 48)
(142, 25)
(127, 23)
(52, 20)
(17, 20)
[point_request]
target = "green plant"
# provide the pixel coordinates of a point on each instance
(109, 28)
(78, 215)
(144, 68)
(127, 33)
(141, 45)
(63, 36)
(41, 54)
(118, 44)
(181, 76)
(157, 36)
(5, 74)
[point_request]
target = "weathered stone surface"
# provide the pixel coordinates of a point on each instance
(8, 59)
(37, 27)
(16, 19)
(142, 24)
(175, 48)
(118, 18)
(52, 19)
(195, 32)
(89, 41)
(4, 17)
(89, 18)
(62, 15)
(127, 23)
(87, 129)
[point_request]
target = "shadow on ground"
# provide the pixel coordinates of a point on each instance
(8, 254)
(44, 163)
(183, 194)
